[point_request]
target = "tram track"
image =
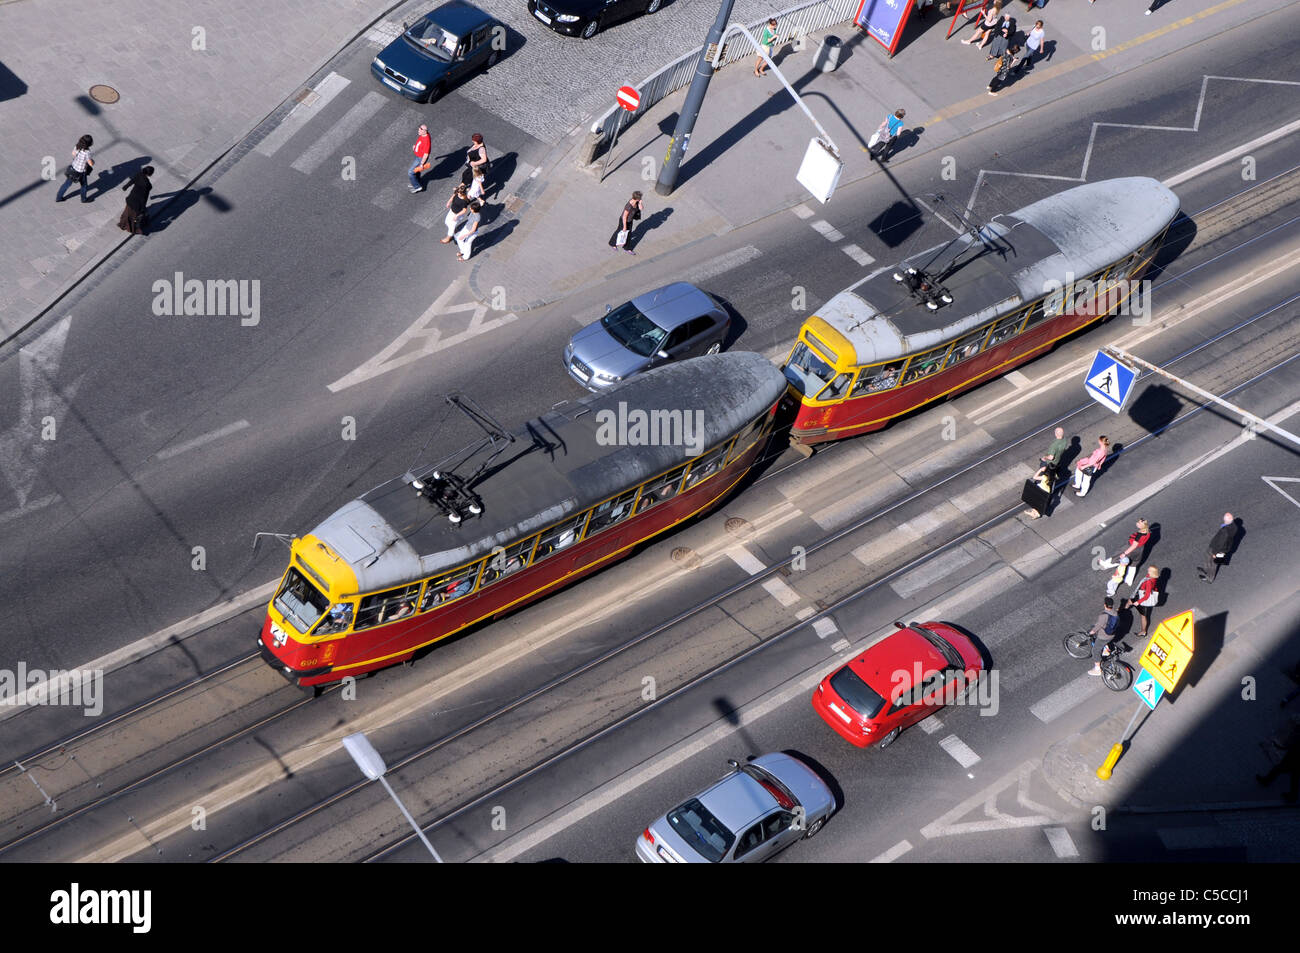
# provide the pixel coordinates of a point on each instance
(592, 670)
(182, 695)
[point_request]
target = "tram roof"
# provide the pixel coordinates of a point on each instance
(391, 535)
(1073, 233)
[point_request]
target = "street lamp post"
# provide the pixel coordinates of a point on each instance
(372, 766)
(691, 106)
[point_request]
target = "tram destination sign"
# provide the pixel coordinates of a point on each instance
(1110, 381)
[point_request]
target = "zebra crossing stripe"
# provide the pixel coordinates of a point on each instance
(336, 135)
(315, 100)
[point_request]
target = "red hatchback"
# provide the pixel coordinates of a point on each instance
(905, 677)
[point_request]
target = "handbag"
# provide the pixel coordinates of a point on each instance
(70, 172)
(1089, 471)
(621, 240)
(1150, 600)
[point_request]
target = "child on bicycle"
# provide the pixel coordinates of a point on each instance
(1102, 631)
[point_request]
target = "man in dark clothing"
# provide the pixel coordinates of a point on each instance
(1102, 631)
(132, 219)
(1219, 547)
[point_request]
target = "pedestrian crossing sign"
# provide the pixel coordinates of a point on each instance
(1170, 649)
(1148, 689)
(1109, 382)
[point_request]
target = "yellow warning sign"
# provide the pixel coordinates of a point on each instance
(1170, 649)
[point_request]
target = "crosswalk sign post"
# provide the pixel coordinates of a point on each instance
(1110, 381)
(1148, 689)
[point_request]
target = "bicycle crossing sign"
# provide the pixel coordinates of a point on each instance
(1148, 689)
(1109, 382)
(1170, 649)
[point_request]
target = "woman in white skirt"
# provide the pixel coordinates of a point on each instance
(476, 185)
(457, 208)
(468, 228)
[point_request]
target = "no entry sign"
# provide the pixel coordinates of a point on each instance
(629, 98)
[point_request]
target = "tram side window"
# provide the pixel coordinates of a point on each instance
(560, 537)
(387, 606)
(1036, 314)
(877, 378)
(966, 347)
(507, 561)
(610, 512)
(450, 586)
(836, 388)
(1005, 328)
(924, 364)
(746, 439)
(661, 489)
(705, 466)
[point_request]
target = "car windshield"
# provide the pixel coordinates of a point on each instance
(806, 370)
(705, 833)
(300, 602)
(946, 648)
(857, 693)
(633, 330)
(432, 38)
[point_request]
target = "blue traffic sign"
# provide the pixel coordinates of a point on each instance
(1147, 688)
(1109, 382)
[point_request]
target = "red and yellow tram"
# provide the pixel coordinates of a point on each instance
(424, 556)
(950, 318)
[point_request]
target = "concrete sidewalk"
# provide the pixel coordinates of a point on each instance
(193, 76)
(750, 136)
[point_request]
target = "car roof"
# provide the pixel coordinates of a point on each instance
(460, 17)
(890, 664)
(673, 305)
(737, 801)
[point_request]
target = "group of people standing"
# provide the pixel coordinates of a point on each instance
(1009, 54)
(78, 171)
(465, 205)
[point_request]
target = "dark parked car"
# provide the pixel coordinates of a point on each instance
(670, 323)
(585, 18)
(438, 50)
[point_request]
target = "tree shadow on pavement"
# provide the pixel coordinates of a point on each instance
(175, 204)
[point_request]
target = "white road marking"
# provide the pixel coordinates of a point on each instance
(1004, 484)
(199, 441)
(23, 446)
(1240, 150)
(841, 646)
(375, 160)
(420, 341)
(720, 265)
(1062, 844)
(31, 507)
(932, 724)
(1274, 481)
(805, 612)
(803, 211)
(383, 33)
(827, 230)
(746, 560)
(891, 855)
(782, 593)
(333, 138)
(824, 627)
(959, 750)
(1017, 379)
(301, 114)
(950, 823)
(939, 567)
(857, 254)
(1064, 698)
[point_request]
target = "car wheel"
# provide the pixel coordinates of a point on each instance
(493, 58)
(714, 348)
(889, 739)
(654, 5)
(814, 827)
(590, 29)
(435, 94)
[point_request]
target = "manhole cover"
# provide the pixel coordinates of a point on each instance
(686, 558)
(104, 94)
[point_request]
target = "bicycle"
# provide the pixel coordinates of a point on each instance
(1115, 672)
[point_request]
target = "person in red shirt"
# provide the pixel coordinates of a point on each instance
(421, 163)
(1145, 597)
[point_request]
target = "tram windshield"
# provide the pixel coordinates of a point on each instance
(634, 330)
(299, 601)
(807, 370)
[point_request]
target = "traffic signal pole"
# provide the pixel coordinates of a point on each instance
(691, 106)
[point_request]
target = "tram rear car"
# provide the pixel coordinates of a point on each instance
(578, 488)
(950, 318)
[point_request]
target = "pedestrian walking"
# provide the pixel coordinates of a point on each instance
(767, 40)
(623, 231)
(457, 208)
(1137, 540)
(1145, 597)
(1037, 493)
(1118, 576)
(987, 24)
(881, 144)
(476, 185)
(132, 219)
(1034, 42)
(1009, 60)
(1219, 547)
(468, 228)
(1090, 466)
(476, 157)
(421, 163)
(1051, 460)
(78, 169)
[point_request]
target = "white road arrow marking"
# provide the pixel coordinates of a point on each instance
(951, 823)
(1274, 481)
(420, 340)
(21, 446)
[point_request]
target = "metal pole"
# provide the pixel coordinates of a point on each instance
(691, 106)
(407, 814)
(613, 142)
(1258, 421)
